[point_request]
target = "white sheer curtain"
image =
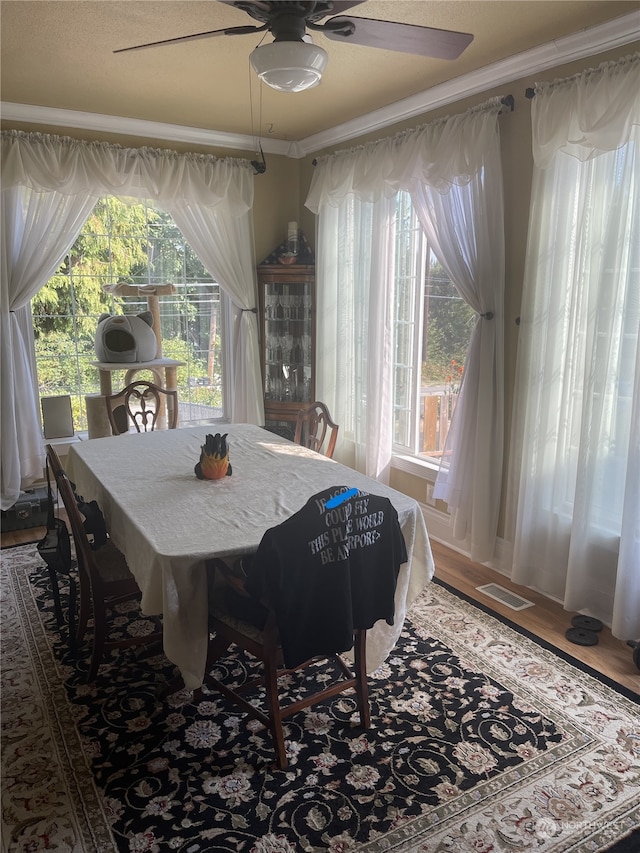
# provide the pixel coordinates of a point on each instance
(38, 228)
(452, 169)
(220, 191)
(575, 478)
(206, 229)
(354, 373)
(470, 475)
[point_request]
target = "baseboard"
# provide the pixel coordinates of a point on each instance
(439, 529)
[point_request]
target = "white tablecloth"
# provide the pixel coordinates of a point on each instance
(168, 523)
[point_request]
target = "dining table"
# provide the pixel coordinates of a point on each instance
(168, 523)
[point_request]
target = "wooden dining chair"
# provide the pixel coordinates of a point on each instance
(241, 626)
(103, 576)
(316, 429)
(280, 418)
(55, 550)
(317, 582)
(143, 404)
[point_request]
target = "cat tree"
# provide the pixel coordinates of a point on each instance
(164, 370)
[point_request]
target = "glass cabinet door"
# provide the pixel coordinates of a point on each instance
(287, 336)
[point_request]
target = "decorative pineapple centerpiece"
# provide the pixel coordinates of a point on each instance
(214, 458)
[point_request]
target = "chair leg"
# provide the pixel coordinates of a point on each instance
(273, 706)
(170, 688)
(85, 610)
(99, 635)
(72, 612)
(53, 576)
(216, 649)
(148, 648)
(362, 686)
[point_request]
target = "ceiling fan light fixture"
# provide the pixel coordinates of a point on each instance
(289, 66)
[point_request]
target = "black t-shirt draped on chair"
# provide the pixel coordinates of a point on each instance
(329, 570)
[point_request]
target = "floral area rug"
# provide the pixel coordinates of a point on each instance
(481, 740)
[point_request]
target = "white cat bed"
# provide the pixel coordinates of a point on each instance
(126, 338)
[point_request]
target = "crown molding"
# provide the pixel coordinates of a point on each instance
(122, 126)
(587, 42)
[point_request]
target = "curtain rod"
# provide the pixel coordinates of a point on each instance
(72, 142)
(530, 92)
(507, 101)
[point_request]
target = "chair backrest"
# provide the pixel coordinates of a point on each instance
(280, 419)
(54, 462)
(143, 404)
(316, 429)
(84, 554)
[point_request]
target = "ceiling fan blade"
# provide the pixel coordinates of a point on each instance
(405, 38)
(229, 31)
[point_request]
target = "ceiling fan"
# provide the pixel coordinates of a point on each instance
(291, 63)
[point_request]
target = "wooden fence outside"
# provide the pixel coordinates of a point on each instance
(437, 411)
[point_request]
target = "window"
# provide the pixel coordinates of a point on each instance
(140, 245)
(433, 326)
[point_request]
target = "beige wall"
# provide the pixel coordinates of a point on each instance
(280, 194)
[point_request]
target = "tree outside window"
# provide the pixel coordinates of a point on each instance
(140, 245)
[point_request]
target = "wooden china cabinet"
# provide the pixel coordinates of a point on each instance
(286, 294)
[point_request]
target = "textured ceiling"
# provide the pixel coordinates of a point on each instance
(60, 54)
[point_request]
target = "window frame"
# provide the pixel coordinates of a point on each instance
(418, 276)
(406, 455)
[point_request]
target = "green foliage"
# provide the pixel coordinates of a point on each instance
(448, 329)
(61, 365)
(197, 367)
(64, 370)
(111, 242)
(180, 350)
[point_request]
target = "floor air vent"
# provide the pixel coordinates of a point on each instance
(515, 602)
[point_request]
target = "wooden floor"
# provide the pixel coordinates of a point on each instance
(546, 619)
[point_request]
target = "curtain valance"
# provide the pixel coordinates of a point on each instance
(49, 186)
(444, 152)
(72, 167)
(588, 113)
